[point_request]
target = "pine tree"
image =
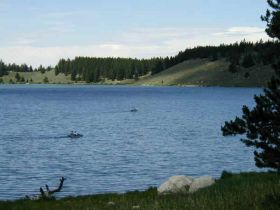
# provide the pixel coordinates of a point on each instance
(248, 61)
(46, 80)
(272, 19)
(262, 123)
(17, 77)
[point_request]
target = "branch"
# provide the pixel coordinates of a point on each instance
(57, 189)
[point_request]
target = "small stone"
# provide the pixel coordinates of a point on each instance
(111, 203)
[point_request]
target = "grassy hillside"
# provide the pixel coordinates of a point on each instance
(203, 72)
(198, 72)
(38, 77)
(250, 191)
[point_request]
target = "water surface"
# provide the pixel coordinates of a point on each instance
(175, 131)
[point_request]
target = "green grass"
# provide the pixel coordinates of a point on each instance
(198, 72)
(243, 191)
(38, 77)
(202, 72)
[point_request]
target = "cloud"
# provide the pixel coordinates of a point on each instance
(59, 27)
(24, 41)
(140, 43)
(60, 14)
(241, 31)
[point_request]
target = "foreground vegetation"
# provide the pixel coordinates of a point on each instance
(231, 192)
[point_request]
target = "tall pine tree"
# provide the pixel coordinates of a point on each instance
(262, 123)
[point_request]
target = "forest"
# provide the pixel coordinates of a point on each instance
(93, 69)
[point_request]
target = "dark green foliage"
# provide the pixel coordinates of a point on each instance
(3, 69)
(232, 68)
(46, 80)
(158, 67)
(41, 69)
(17, 77)
(11, 81)
(247, 75)
(272, 18)
(136, 75)
(98, 69)
(226, 174)
(248, 61)
(260, 126)
(22, 79)
(214, 57)
(73, 75)
(1, 80)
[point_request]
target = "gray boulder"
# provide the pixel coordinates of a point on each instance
(175, 184)
(201, 182)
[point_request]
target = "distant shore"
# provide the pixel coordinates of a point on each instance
(191, 73)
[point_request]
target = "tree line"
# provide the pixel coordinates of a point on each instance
(6, 68)
(245, 54)
(97, 69)
(91, 69)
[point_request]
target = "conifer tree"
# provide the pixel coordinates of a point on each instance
(261, 125)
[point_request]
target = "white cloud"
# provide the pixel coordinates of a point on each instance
(141, 43)
(59, 27)
(24, 41)
(241, 31)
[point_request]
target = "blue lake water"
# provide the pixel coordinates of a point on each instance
(176, 131)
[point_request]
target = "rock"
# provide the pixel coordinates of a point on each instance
(201, 182)
(175, 184)
(111, 203)
(136, 207)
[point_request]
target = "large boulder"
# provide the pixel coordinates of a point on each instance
(175, 184)
(201, 182)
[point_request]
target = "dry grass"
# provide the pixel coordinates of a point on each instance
(202, 72)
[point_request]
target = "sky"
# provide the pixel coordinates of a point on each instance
(43, 31)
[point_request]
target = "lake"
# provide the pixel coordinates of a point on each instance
(176, 131)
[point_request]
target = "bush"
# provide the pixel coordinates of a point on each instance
(248, 61)
(46, 80)
(232, 68)
(226, 174)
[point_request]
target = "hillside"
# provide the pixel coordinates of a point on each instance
(202, 72)
(38, 77)
(195, 72)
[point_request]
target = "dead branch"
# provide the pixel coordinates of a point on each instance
(49, 193)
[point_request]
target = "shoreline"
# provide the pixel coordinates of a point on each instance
(131, 85)
(250, 190)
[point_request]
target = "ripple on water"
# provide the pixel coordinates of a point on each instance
(175, 131)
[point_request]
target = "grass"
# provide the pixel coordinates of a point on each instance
(202, 72)
(198, 72)
(243, 191)
(38, 77)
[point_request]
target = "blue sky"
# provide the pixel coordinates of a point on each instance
(43, 31)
